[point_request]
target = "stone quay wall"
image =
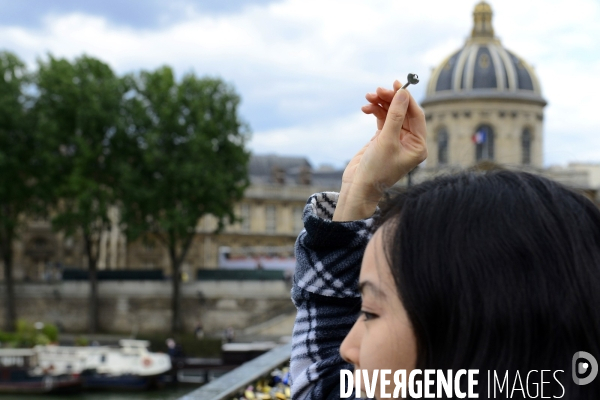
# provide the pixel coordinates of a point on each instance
(144, 306)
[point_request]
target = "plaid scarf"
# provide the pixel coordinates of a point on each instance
(325, 292)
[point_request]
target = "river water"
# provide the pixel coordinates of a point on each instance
(160, 394)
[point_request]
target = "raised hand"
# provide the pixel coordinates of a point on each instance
(397, 147)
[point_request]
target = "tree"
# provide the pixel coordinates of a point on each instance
(78, 111)
(17, 166)
(188, 161)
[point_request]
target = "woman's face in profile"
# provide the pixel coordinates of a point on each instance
(382, 337)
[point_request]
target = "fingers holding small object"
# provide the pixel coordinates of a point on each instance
(381, 98)
(375, 109)
(386, 94)
(412, 79)
(379, 113)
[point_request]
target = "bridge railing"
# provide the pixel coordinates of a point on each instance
(235, 381)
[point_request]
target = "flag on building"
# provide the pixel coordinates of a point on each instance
(479, 137)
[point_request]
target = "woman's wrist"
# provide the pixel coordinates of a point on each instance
(356, 202)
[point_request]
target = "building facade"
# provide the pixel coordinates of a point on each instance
(484, 102)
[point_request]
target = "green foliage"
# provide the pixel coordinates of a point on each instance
(6, 337)
(78, 112)
(16, 136)
(82, 341)
(25, 328)
(19, 165)
(51, 332)
(192, 346)
(27, 335)
(188, 157)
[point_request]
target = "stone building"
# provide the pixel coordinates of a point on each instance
(484, 103)
(271, 211)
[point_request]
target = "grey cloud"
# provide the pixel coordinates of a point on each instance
(141, 14)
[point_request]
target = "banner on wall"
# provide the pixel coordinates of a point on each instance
(257, 257)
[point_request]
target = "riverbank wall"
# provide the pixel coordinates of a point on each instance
(133, 307)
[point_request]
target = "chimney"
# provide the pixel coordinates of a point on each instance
(278, 175)
(305, 175)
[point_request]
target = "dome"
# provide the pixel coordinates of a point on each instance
(483, 7)
(483, 69)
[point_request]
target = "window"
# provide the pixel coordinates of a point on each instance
(442, 140)
(526, 146)
(245, 215)
(484, 143)
(270, 219)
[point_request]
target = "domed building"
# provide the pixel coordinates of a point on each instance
(484, 102)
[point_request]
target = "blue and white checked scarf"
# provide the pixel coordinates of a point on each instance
(325, 292)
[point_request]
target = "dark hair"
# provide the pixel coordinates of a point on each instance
(498, 271)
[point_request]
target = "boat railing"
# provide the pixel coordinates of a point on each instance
(235, 381)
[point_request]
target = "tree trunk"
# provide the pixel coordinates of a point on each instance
(10, 316)
(93, 277)
(176, 321)
(176, 326)
(93, 321)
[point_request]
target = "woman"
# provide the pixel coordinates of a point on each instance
(497, 272)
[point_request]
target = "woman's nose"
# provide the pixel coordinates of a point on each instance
(350, 348)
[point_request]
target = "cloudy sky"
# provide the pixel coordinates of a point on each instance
(302, 67)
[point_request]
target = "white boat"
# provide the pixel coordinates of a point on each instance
(129, 365)
(17, 374)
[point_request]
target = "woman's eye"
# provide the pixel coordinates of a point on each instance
(367, 315)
